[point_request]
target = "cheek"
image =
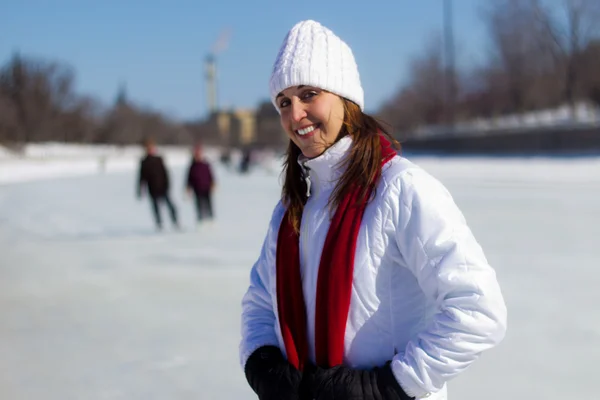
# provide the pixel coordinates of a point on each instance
(339, 111)
(336, 117)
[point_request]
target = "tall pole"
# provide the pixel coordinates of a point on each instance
(211, 83)
(449, 73)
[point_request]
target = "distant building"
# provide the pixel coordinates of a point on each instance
(269, 132)
(242, 128)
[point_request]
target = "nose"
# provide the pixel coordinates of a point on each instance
(298, 111)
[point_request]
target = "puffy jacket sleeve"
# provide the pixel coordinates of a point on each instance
(258, 312)
(451, 268)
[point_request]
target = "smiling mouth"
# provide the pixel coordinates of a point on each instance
(307, 130)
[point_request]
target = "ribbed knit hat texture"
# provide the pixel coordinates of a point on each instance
(313, 55)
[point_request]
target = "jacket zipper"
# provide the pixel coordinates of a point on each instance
(304, 227)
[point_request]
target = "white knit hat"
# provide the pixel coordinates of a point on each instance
(313, 55)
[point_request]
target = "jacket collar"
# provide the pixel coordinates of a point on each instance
(325, 170)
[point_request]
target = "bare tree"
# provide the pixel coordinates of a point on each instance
(427, 78)
(38, 103)
(536, 60)
(8, 121)
(515, 49)
(589, 68)
(421, 100)
(40, 92)
(567, 34)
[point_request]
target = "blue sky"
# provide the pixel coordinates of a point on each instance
(157, 47)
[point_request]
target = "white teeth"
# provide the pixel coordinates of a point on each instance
(306, 130)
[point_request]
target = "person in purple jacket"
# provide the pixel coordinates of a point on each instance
(201, 182)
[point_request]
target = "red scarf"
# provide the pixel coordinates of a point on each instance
(334, 283)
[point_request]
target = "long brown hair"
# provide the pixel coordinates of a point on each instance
(361, 168)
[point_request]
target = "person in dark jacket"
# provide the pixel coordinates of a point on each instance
(154, 177)
(246, 160)
(200, 182)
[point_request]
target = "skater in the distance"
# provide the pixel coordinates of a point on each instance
(370, 284)
(200, 184)
(246, 161)
(154, 178)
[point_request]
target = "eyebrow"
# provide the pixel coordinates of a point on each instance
(281, 93)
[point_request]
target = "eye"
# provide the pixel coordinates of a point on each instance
(284, 103)
(309, 94)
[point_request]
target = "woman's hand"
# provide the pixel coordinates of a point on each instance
(271, 376)
(340, 382)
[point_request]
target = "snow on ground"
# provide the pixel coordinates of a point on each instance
(582, 114)
(94, 304)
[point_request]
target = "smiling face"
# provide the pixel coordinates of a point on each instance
(311, 117)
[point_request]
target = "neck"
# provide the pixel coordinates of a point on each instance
(326, 169)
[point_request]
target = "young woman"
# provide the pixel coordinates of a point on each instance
(370, 284)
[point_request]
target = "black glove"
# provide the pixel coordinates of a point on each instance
(271, 376)
(343, 383)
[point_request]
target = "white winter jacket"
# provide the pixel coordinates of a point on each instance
(424, 295)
